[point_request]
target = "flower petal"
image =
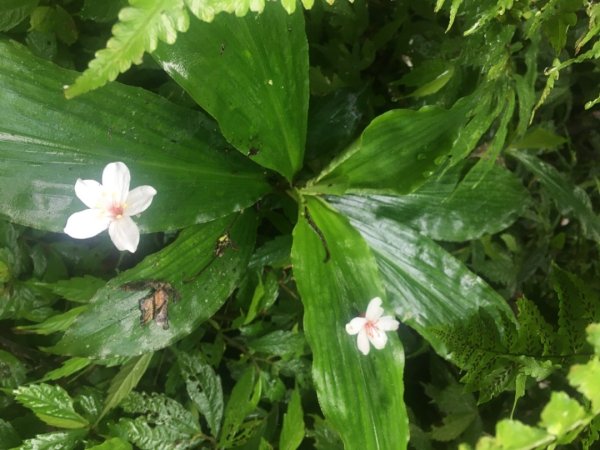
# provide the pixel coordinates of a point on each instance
(387, 323)
(363, 342)
(355, 325)
(125, 234)
(85, 224)
(374, 310)
(378, 338)
(115, 180)
(89, 192)
(139, 199)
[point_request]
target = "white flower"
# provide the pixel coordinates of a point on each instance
(372, 327)
(111, 205)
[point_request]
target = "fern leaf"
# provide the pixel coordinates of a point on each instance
(206, 10)
(139, 28)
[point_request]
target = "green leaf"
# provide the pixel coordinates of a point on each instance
(207, 10)
(51, 404)
(396, 153)
(251, 75)
(12, 12)
(442, 210)
(427, 286)
(112, 444)
(285, 344)
(8, 436)
(562, 415)
(139, 29)
(163, 422)
(125, 381)
(63, 440)
(69, 367)
(292, 431)
(77, 289)
(512, 434)
(584, 377)
(204, 388)
(111, 326)
(593, 336)
(569, 199)
(539, 139)
(173, 149)
(12, 369)
(336, 277)
(58, 322)
(243, 400)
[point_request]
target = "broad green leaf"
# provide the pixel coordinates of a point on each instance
(539, 139)
(292, 431)
(427, 286)
(140, 27)
(396, 153)
(8, 436)
(111, 326)
(69, 367)
(62, 440)
(569, 199)
(112, 444)
(593, 336)
(51, 404)
(584, 377)
(512, 434)
(77, 289)
(243, 400)
(12, 12)
(58, 322)
(362, 396)
(125, 381)
(204, 388)
(251, 75)
(285, 344)
(443, 209)
(161, 423)
(13, 371)
(562, 415)
(48, 142)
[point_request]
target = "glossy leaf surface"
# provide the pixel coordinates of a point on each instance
(48, 142)
(427, 286)
(111, 326)
(396, 153)
(362, 396)
(251, 74)
(443, 210)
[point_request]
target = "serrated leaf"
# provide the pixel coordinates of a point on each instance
(140, 27)
(63, 440)
(125, 381)
(584, 377)
(69, 367)
(112, 444)
(8, 436)
(243, 400)
(569, 199)
(337, 277)
(292, 431)
(415, 143)
(257, 70)
(206, 10)
(204, 388)
(593, 336)
(51, 404)
(13, 371)
(514, 434)
(562, 415)
(111, 325)
(427, 286)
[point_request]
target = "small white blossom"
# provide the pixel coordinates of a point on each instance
(372, 327)
(111, 205)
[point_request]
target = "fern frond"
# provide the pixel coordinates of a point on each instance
(139, 28)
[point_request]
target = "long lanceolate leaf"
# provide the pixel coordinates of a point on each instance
(139, 28)
(251, 74)
(337, 276)
(200, 279)
(427, 286)
(47, 142)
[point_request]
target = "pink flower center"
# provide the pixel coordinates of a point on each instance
(116, 211)
(370, 327)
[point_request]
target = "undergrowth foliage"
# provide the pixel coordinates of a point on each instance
(437, 160)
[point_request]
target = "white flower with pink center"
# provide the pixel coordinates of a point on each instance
(111, 205)
(372, 327)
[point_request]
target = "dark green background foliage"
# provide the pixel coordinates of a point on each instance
(442, 155)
